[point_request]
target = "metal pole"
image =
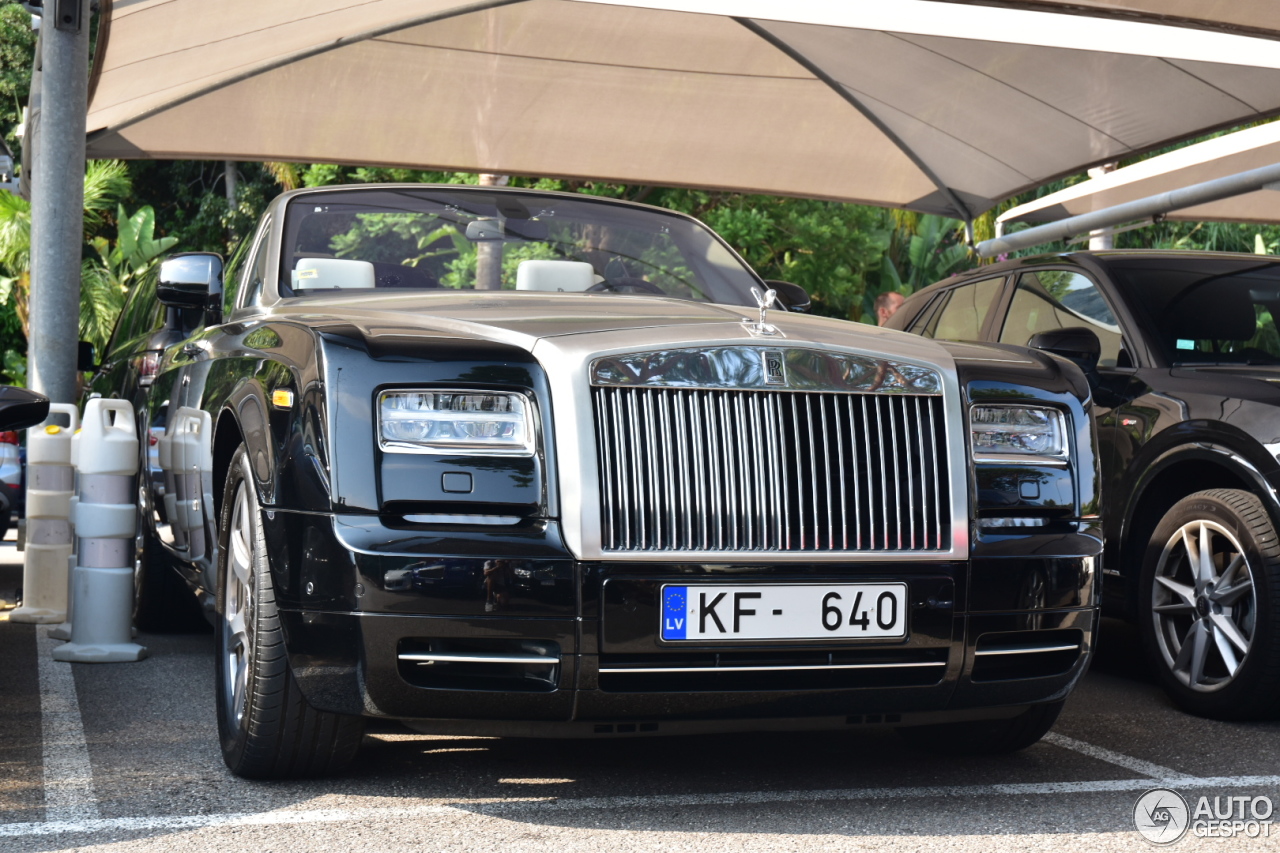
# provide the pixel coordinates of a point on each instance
(1143, 208)
(57, 207)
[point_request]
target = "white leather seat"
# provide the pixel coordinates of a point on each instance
(333, 274)
(555, 276)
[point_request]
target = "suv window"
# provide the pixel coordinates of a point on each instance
(246, 268)
(962, 313)
(1058, 299)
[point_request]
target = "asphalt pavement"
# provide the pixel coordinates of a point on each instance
(125, 757)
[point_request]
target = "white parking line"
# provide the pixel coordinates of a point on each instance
(68, 775)
(499, 808)
(1128, 762)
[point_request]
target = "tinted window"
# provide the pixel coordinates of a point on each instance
(1057, 299)
(962, 314)
(142, 314)
(237, 271)
(1207, 309)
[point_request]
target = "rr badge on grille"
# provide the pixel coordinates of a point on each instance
(775, 367)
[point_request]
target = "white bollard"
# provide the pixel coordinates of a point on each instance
(185, 451)
(104, 518)
(50, 484)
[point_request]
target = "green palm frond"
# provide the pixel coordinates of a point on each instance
(15, 234)
(101, 298)
(105, 183)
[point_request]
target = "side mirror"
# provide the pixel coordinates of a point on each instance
(1075, 343)
(792, 296)
(20, 408)
(86, 359)
(191, 280)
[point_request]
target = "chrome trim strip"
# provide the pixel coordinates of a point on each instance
(1021, 459)
(476, 657)
(937, 512)
(615, 670)
(1024, 650)
(911, 474)
(742, 368)
(452, 518)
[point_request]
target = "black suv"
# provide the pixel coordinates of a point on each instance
(1183, 354)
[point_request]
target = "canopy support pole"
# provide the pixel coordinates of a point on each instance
(57, 202)
(1143, 208)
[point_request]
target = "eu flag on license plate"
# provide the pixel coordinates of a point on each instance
(675, 612)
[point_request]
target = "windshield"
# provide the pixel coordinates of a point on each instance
(480, 239)
(1206, 310)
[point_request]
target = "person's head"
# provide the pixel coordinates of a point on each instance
(887, 304)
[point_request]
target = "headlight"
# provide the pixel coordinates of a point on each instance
(455, 422)
(999, 432)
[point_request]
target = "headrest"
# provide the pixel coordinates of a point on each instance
(555, 276)
(333, 273)
(1214, 313)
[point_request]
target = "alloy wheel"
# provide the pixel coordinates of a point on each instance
(238, 603)
(1204, 605)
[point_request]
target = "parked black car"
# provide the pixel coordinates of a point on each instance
(1183, 354)
(130, 362)
(508, 462)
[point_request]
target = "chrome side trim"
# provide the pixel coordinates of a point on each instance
(1026, 650)
(476, 657)
(743, 369)
(451, 518)
(616, 670)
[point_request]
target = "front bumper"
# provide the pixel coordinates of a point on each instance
(359, 600)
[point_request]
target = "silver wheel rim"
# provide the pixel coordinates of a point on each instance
(237, 614)
(1203, 606)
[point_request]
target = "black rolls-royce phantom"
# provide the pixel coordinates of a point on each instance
(508, 462)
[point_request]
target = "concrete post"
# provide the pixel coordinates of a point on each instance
(57, 210)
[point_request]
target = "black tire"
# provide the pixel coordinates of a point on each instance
(162, 601)
(268, 731)
(6, 516)
(986, 737)
(1228, 668)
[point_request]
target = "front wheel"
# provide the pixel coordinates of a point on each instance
(268, 731)
(1210, 605)
(987, 737)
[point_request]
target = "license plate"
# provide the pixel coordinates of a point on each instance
(784, 612)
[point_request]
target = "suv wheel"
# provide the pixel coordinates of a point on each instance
(1210, 615)
(268, 731)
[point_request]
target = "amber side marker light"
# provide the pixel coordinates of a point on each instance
(282, 398)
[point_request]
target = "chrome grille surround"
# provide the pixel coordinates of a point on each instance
(746, 449)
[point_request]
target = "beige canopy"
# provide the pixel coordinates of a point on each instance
(1258, 17)
(1226, 155)
(935, 106)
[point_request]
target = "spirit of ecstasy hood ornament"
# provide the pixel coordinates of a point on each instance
(763, 326)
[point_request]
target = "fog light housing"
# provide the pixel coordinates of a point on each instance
(1005, 433)
(455, 422)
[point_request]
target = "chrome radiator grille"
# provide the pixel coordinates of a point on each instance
(732, 470)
